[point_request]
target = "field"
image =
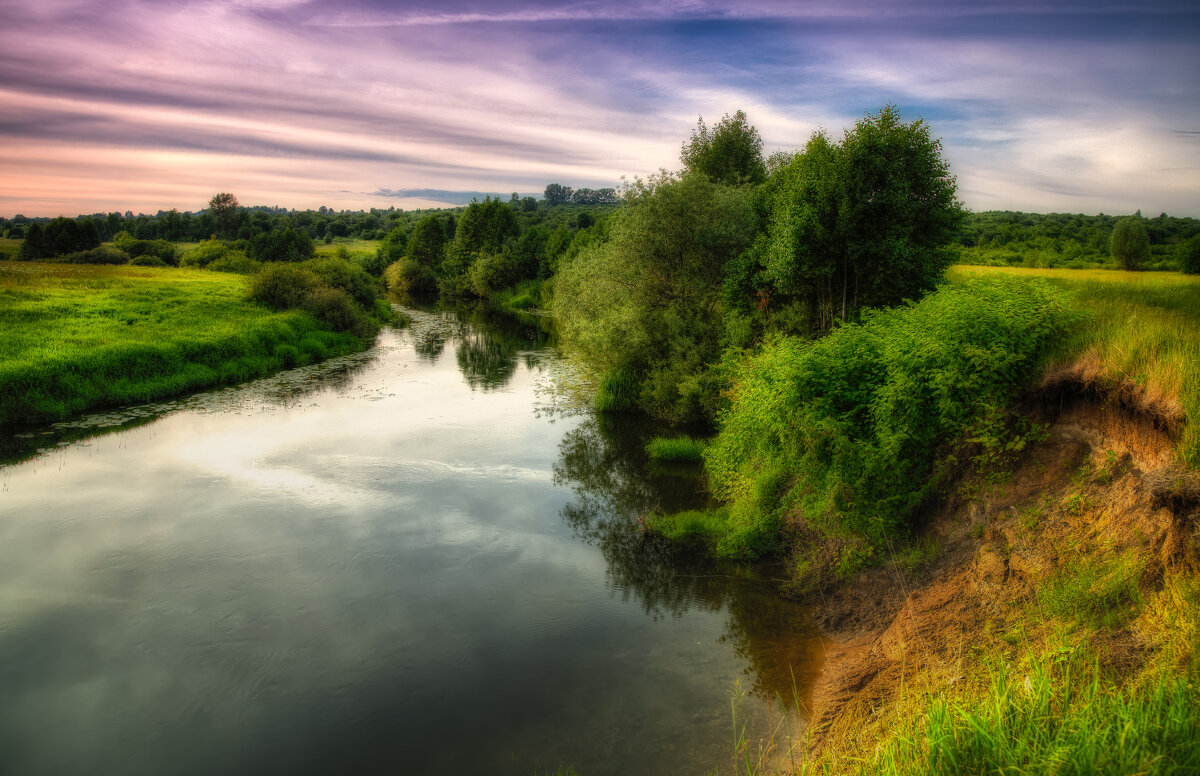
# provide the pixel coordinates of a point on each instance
(353, 246)
(1141, 336)
(79, 336)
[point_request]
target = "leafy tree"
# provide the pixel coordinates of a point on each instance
(35, 245)
(281, 245)
(485, 226)
(1130, 244)
(642, 310)
(557, 194)
(731, 153)
(1189, 255)
(863, 223)
(427, 241)
(224, 208)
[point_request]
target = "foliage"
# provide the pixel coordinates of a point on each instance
(849, 430)
(861, 224)
(427, 241)
(731, 153)
(204, 254)
(235, 262)
(1130, 242)
(409, 276)
(335, 307)
(485, 226)
(1143, 332)
(84, 336)
(282, 286)
(224, 209)
(57, 238)
(101, 255)
(393, 248)
(1189, 255)
(349, 277)
(281, 245)
(647, 302)
(160, 249)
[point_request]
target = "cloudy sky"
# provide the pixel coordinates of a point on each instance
(1081, 106)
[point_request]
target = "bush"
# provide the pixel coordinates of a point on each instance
(282, 245)
(147, 261)
(351, 278)
(204, 254)
(335, 307)
(101, 255)
(491, 272)
(372, 263)
(282, 286)
(410, 277)
(161, 249)
(850, 430)
(235, 262)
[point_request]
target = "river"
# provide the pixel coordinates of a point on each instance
(415, 560)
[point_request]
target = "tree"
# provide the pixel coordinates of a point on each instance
(224, 208)
(731, 153)
(1130, 243)
(863, 223)
(427, 241)
(557, 194)
(1189, 255)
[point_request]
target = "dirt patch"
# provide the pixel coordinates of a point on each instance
(1102, 485)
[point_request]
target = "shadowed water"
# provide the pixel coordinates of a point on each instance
(408, 561)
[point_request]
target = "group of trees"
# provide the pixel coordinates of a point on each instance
(717, 255)
(557, 194)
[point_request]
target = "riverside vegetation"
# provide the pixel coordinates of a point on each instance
(984, 475)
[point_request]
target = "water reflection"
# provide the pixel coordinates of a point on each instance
(490, 345)
(604, 461)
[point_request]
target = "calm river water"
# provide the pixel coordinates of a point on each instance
(403, 562)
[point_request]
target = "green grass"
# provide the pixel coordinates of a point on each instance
(1058, 716)
(353, 246)
(80, 336)
(1142, 329)
(676, 449)
(1101, 591)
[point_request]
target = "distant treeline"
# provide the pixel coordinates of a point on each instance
(322, 225)
(1005, 237)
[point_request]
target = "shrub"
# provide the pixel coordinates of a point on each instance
(335, 307)
(101, 255)
(282, 245)
(372, 263)
(491, 272)
(849, 429)
(147, 261)
(204, 254)
(158, 248)
(235, 262)
(282, 286)
(351, 278)
(411, 277)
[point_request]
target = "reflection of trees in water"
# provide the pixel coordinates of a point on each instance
(490, 344)
(604, 462)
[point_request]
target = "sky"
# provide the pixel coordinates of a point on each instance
(1082, 106)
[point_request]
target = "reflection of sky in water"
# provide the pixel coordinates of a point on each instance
(370, 576)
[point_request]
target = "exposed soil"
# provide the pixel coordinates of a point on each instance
(1104, 480)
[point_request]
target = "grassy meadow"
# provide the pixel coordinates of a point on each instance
(81, 336)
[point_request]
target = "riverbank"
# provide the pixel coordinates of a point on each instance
(1044, 620)
(79, 336)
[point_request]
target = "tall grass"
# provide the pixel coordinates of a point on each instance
(1059, 716)
(681, 448)
(1141, 328)
(83, 336)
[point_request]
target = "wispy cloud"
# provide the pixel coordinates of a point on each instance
(1069, 105)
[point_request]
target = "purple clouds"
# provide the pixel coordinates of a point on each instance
(131, 105)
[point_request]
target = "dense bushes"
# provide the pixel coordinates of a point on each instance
(850, 432)
(101, 255)
(335, 291)
(160, 249)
